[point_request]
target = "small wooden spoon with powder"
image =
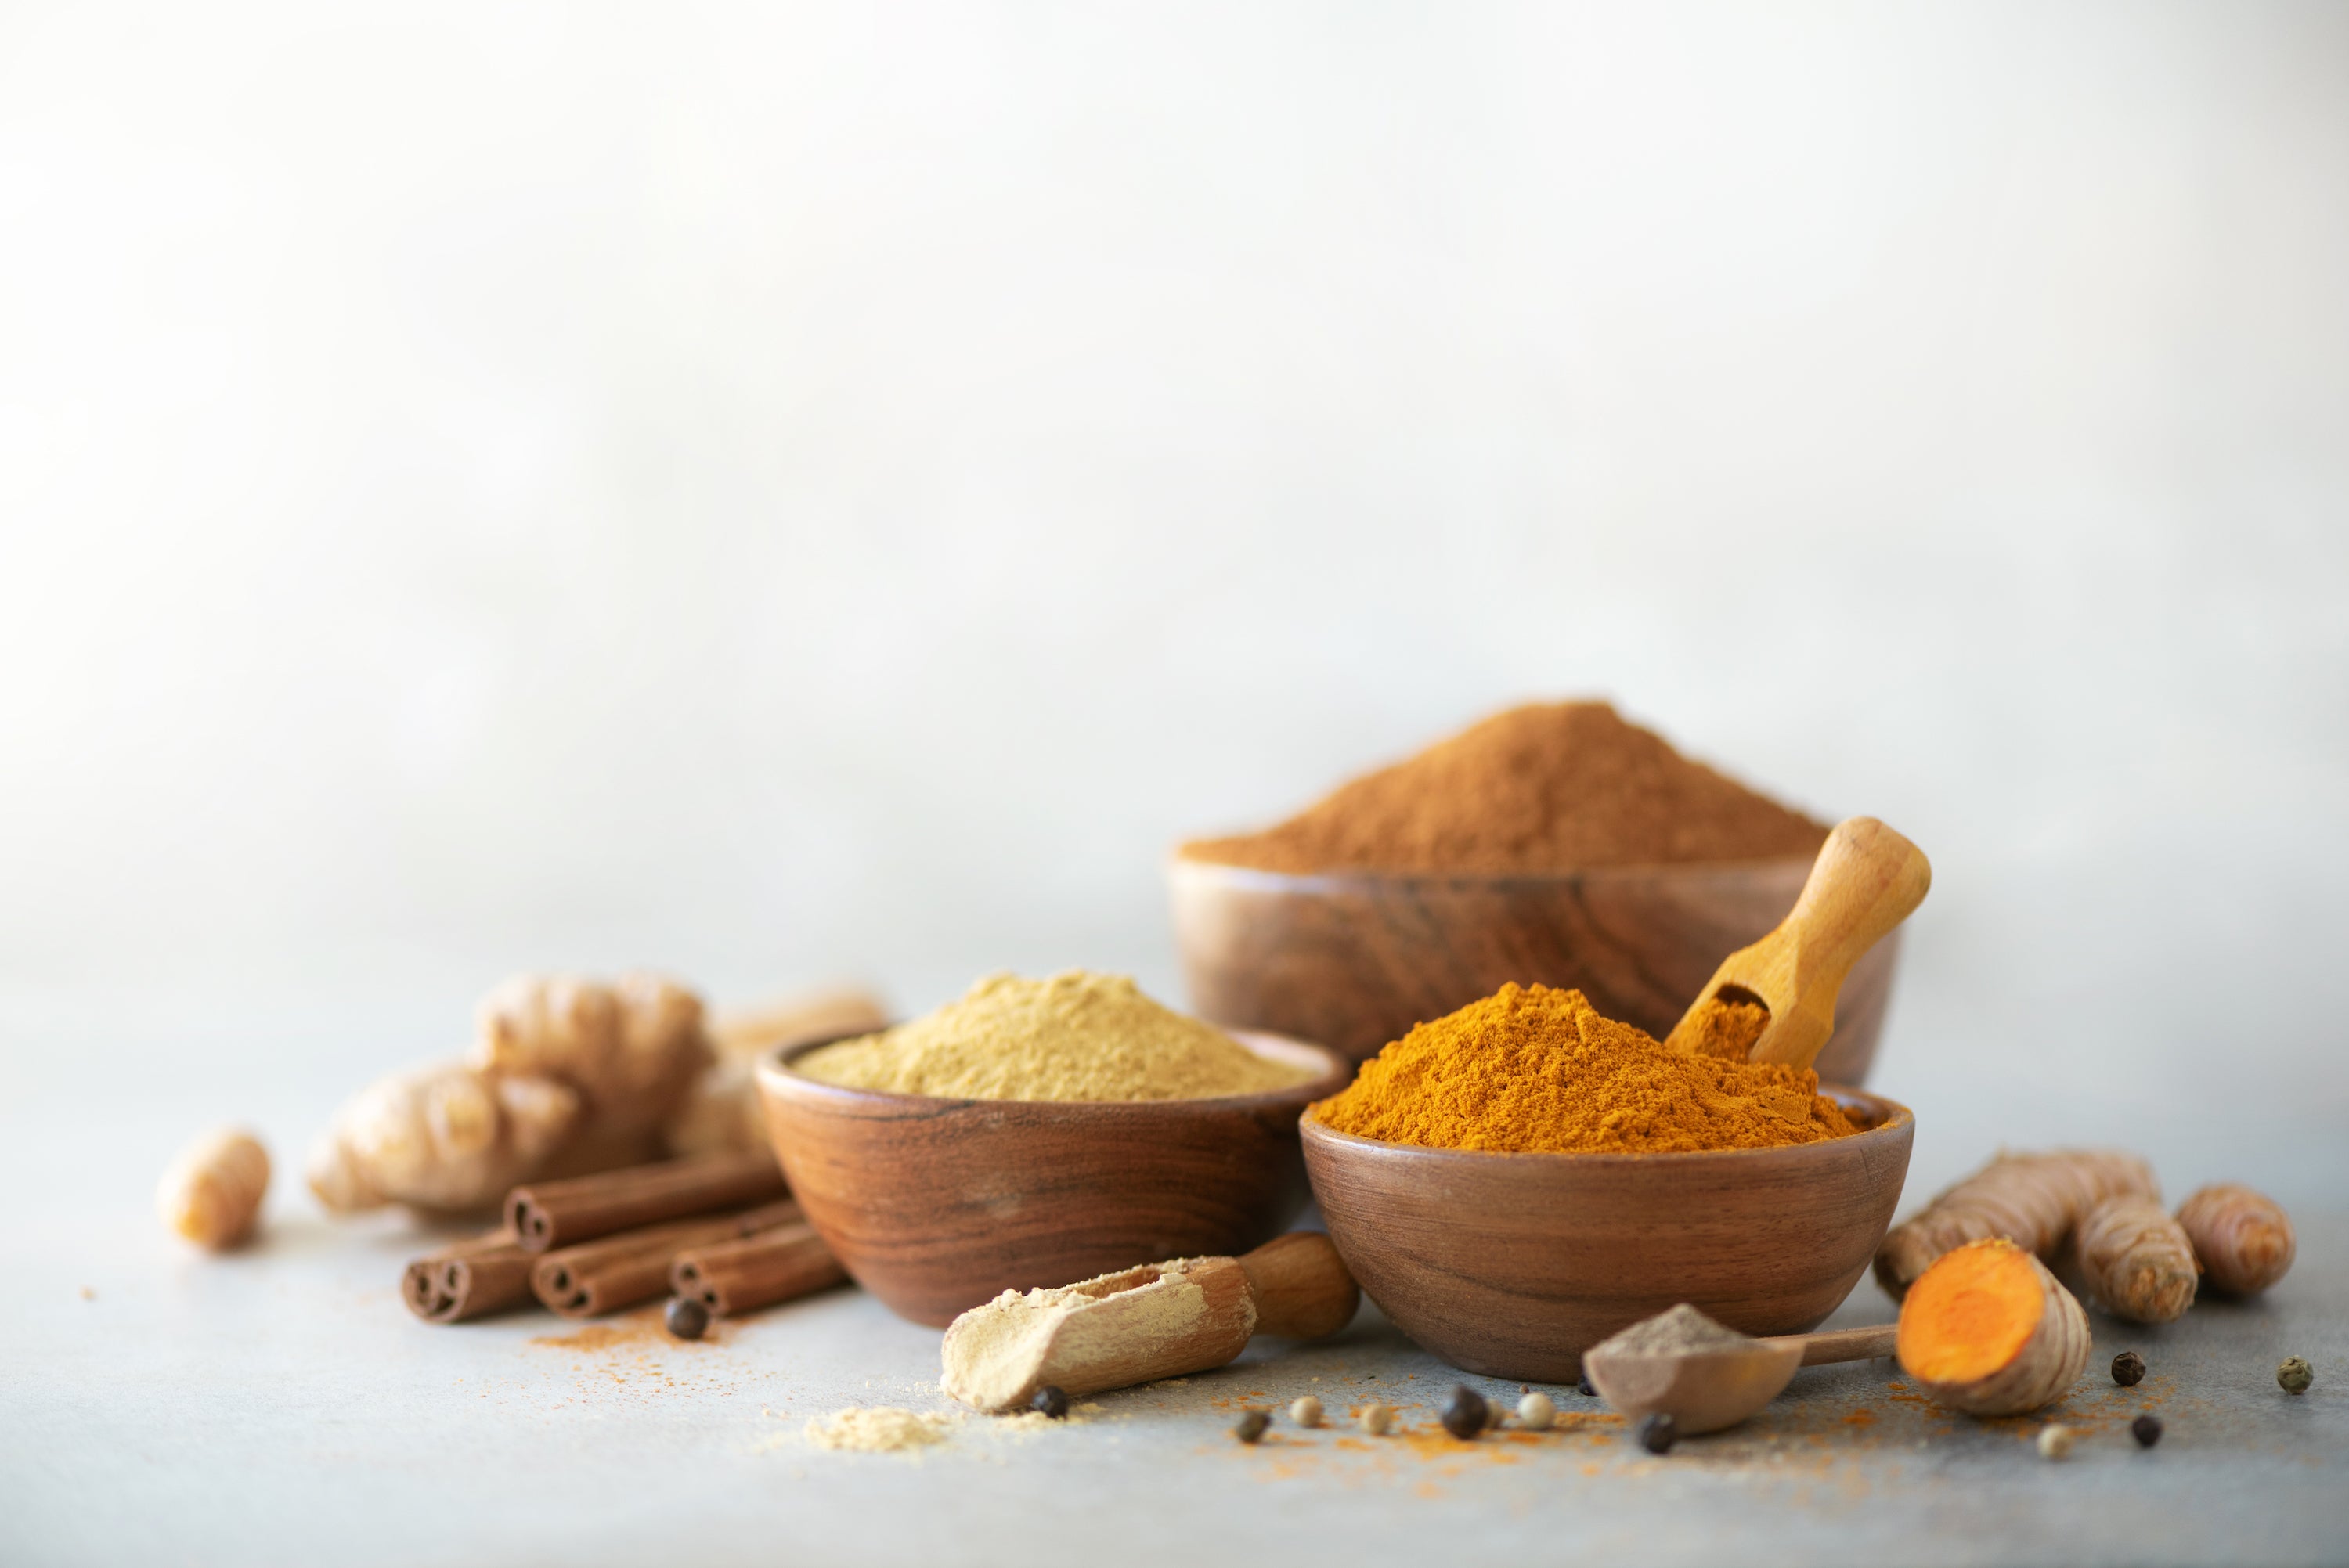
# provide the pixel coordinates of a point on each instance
(1705, 1377)
(1865, 880)
(1161, 1320)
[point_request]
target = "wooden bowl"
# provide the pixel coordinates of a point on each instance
(1355, 959)
(937, 1205)
(1515, 1265)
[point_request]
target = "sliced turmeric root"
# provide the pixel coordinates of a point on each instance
(1988, 1331)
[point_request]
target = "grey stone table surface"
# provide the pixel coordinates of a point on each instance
(279, 1406)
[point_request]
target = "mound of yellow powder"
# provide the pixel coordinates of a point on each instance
(877, 1429)
(1533, 1069)
(1073, 1037)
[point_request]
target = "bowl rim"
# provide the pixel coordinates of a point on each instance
(1355, 878)
(775, 1071)
(1901, 1122)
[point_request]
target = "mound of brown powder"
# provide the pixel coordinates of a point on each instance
(1546, 787)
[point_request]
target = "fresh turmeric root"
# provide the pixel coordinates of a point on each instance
(1988, 1331)
(212, 1193)
(2242, 1238)
(2135, 1259)
(2032, 1200)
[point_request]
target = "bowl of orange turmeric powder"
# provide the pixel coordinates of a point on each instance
(1553, 842)
(1518, 1179)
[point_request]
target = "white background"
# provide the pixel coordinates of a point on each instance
(790, 492)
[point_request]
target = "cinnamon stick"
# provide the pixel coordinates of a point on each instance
(601, 1276)
(546, 1215)
(731, 1278)
(470, 1279)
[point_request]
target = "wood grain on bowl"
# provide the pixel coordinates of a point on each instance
(937, 1205)
(1355, 959)
(1513, 1265)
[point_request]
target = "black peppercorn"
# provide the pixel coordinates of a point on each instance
(1465, 1413)
(1584, 1389)
(1251, 1425)
(1049, 1401)
(1658, 1432)
(2129, 1369)
(688, 1318)
(2147, 1431)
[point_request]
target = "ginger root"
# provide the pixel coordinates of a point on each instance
(2135, 1259)
(566, 1076)
(749, 1033)
(450, 1136)
(2032, 1200)
(721, 1113)
(2242, 1238)
(1986, 1329)
(631, 1050)
(212, 1193)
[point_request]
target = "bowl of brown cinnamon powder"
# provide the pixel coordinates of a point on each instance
(1553, 844)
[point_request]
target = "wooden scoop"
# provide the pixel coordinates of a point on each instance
(1161, 1320)
(1866, 879)
(1705, 1390)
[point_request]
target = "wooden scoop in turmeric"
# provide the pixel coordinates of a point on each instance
(1161, 1320)
(1775, 1001)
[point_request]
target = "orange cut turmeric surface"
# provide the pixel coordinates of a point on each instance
(1970, 1313)
(1534, 1069)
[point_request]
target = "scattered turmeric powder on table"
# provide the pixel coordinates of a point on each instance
(1537, 1070)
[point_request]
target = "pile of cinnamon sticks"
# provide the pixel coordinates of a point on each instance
(719, 1228)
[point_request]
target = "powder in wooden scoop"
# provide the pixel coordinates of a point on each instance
(1682, 1331)
(1073, 1037)
(1547, 786)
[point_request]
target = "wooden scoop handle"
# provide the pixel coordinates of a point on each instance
(1300, 1286)
(1866, 879)
(1842, 1344)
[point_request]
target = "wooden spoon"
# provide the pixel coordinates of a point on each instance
(1866, 879)
(1705, 1390)
(1161, 1320)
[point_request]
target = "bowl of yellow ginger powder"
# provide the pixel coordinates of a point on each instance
(1037, 1133)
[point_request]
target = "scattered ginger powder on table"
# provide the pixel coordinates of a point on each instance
(1534, 1069)
(1075, 1037)
(877, 1429)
